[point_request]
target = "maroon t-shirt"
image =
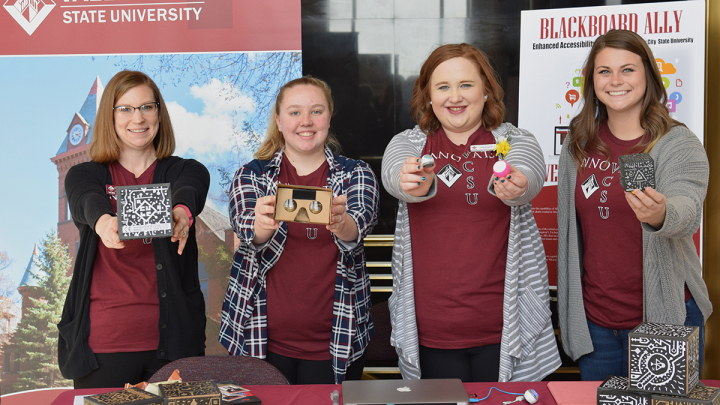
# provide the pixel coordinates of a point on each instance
(124, 304)
(459, 247)
(612, 239)
(301, 285)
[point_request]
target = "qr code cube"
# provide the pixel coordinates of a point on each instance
(144, 211)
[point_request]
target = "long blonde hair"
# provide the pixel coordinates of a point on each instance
(274, 138)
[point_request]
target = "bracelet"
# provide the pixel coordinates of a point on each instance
(187, 211)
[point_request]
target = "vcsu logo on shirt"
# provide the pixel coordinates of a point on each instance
(29, 13)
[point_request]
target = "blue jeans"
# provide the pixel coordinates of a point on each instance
(610, 356)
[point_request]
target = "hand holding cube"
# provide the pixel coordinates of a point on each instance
(107, 229)
(649, 206)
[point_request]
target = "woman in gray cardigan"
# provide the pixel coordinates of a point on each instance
(470, 290)
(626, 257)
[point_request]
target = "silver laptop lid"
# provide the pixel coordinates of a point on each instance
(436, 392)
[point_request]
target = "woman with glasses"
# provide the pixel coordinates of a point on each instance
(133, 305)
(299, 293)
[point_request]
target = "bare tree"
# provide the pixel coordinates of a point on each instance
(6, 286)
(5, 261)
(247, 139)
(6, 303)
(258, 75)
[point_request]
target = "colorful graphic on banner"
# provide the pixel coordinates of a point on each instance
(554, 45)
(218, 64)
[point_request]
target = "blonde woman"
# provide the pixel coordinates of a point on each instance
(299, 294)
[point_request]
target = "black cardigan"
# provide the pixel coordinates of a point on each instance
(182, 306)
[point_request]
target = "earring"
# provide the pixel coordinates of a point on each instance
(430, 102)
(486, 97)
(315, 207)
(290, 205)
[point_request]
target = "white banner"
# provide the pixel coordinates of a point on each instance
(554, 45)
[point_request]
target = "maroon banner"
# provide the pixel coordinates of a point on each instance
(68, 27)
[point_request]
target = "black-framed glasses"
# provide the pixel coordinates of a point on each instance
(145, 109)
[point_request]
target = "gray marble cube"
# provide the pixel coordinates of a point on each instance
(637, 171)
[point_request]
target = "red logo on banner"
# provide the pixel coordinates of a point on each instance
(29, 13)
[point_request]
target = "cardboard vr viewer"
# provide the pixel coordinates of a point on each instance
(303, 204)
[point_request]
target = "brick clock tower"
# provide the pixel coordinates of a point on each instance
(74, 150)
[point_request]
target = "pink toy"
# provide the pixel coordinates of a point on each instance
(501, 168)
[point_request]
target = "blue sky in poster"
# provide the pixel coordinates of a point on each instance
(38, 99)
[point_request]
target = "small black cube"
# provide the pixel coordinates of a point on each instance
(614, 391)
(144, 211)
(637, 171)
(664, 359)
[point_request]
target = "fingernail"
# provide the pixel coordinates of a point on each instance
(418, 167)
(417, 160)
(509, 177)
(418, 184)
(496, 179)
(423, 179)
(502, 181)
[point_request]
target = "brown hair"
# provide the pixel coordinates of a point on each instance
(105, 146)
(654, 116)
(494, 110)
(274, 138)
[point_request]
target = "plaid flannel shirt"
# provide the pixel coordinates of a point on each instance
(243, 329)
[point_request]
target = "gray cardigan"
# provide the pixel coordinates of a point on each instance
(670, 259)
(528, 350)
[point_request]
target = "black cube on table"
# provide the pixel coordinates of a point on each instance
(664, 359)
(700, 395)
(615, 391)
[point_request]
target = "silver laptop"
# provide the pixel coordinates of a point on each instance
(416, 392)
